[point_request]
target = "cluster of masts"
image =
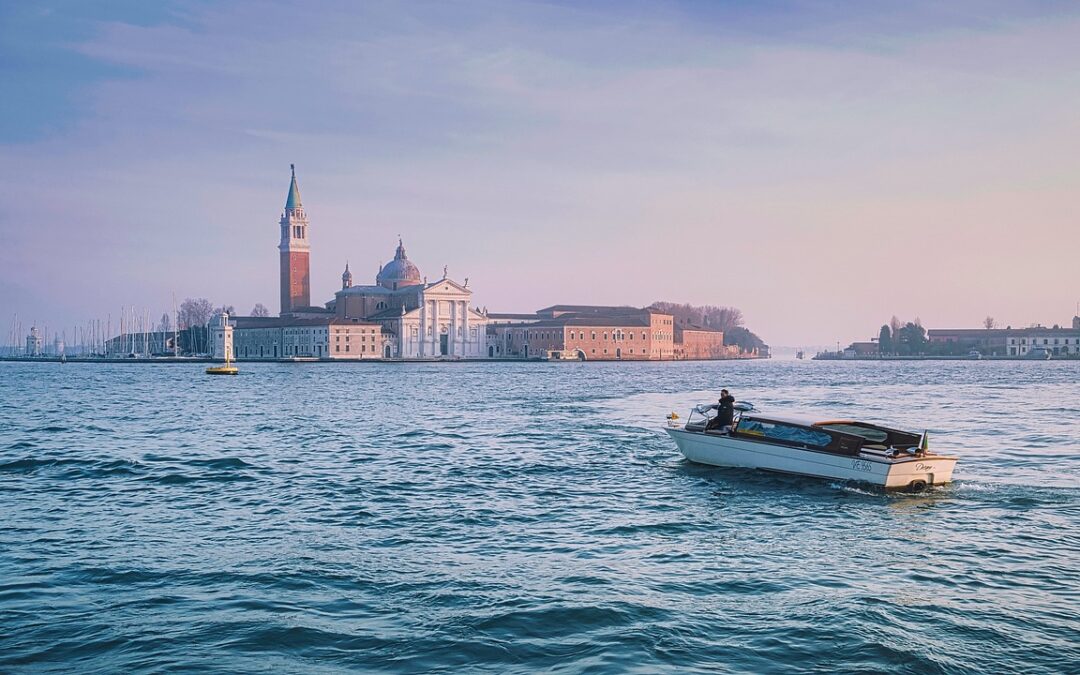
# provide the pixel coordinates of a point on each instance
(132, 334)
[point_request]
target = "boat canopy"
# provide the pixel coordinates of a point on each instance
(794, 434)
(873, 434)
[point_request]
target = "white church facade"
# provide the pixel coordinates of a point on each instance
(426, 320)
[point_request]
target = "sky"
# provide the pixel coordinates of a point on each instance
(822, 166)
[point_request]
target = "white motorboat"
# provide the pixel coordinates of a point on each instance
(839, 449)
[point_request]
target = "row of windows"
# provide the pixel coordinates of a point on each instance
(363, 348)
(1045, 341)
(579, 335)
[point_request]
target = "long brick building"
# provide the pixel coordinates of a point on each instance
(601, 333)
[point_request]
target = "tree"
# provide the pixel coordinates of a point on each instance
(746, 340)
(165, 325)
(913, 338)
(894, 327)
(885, 342)
(228, 309)
(989, 323)
(713, 316)
(195, 312)
(260, 310)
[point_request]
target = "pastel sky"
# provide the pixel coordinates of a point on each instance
(820, 165)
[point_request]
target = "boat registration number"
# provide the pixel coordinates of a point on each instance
(862, 465)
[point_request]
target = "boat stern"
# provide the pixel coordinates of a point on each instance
(918, 474)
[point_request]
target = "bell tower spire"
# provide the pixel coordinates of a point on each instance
(295, 251)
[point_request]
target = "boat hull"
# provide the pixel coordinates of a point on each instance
(718, 450)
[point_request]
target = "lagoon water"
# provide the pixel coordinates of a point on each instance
(524, 517)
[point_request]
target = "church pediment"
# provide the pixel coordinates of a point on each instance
(447, 286)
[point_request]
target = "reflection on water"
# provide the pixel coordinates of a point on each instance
(521, 517)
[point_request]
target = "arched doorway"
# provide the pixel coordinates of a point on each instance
(581, 355)
(386, 351)
(491, 352)
(618, 353)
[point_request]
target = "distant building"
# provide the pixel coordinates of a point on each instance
(584, 334)
(319, 338)
(694, 342)
(1057, 341)
(602, 333)
(151, 343)
(861, 349)
(421, 319)
(221, 337)
(400, 316)
(295, 252)
(34, 342)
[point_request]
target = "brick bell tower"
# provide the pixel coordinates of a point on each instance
(295, 252)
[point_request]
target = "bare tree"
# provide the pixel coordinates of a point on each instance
(260, 310)
(989, 323)
(895, 324)
(195, 312)
(228, 309)
(721, 318)
(165, 325)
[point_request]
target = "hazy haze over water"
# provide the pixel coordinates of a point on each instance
(516, 517)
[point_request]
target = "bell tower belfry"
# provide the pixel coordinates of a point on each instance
(295, 252)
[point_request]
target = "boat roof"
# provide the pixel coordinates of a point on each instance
(800, 419)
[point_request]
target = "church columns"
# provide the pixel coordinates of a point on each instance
(452, 338)
(422, 334)
(464, 327)
(435, 351)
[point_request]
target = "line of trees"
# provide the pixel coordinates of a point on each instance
(902, 338)
(194, 312)
(727, 319)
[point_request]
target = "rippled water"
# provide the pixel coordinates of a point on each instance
(524, 517)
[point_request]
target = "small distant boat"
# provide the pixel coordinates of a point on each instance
(974, 354)
(838, 449)
(227, 369)
(1037, 354)
(799, 354)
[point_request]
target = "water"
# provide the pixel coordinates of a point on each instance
(525, 517)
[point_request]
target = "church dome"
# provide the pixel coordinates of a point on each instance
(398, 272)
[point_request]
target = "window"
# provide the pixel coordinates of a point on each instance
(785, 432)
(594, 337)
(605, 337)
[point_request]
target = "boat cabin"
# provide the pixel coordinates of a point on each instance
(841, 437)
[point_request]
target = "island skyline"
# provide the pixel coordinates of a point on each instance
(681, 154)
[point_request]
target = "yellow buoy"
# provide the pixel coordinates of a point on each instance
(227, 369)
